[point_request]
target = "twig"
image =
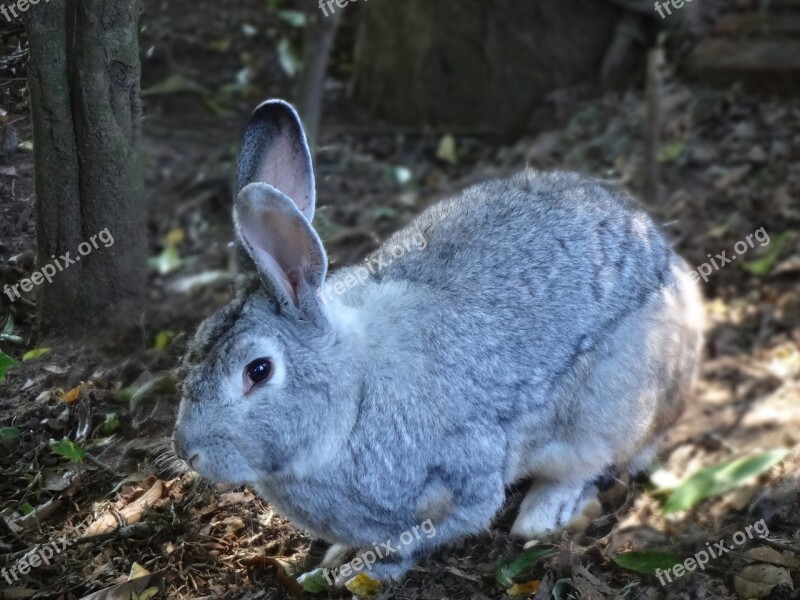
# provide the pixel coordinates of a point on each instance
(121, 533)
(780, 545)
(652, 176)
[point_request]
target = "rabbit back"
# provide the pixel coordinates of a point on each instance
(548, 305)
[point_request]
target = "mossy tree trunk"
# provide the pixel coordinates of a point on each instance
(84, 81)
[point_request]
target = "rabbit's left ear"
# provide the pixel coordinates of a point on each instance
(284, 247)
(275, 151)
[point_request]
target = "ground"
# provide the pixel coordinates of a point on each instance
(730, 164)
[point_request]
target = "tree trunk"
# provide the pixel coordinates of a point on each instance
(459, 63)
(319, 37)
(84, 78)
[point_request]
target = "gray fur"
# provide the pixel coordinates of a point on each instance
(546, 329)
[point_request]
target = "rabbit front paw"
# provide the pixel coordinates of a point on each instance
(385, 571)
(549, 506)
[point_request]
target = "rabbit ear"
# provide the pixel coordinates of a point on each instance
(275, 151)
(284, 246)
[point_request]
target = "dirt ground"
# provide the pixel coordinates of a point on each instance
(730, 165)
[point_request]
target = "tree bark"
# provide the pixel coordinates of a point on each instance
(318, 43)
(457, 63)
(84, 79)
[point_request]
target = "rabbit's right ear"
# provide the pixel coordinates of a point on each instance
(275, 151)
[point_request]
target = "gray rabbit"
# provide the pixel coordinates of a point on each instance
(539, 326)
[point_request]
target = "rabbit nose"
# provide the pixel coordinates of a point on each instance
(180, 450)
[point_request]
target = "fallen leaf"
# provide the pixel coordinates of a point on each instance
(314, 581)
(524, 589)
(9, 433)
(35, 353)
(129, 589)
(672, 151)
(447, 150)
(137, 570)
(508, 570)
(647, 561)
(288, 58)
(168, 261)
(720, 478)
(295, 18)
(68, 449)
(160, 385)
(757, 581)
(363, 585)
(763, 265)
(71, 396)
(110, 424)
(6, 362)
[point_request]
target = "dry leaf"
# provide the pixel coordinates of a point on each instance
(526, 589)
(363, 585)
(130, 590)
(137, 571)
(757, 581)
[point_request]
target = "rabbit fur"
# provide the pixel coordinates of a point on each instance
(538, 326)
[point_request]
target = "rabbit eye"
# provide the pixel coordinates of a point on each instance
(258, 371)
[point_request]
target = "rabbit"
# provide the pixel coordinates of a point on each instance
(538, 327)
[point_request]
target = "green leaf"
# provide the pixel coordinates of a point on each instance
(111, 424)
(161, 385)
(763, 265)
(720, 478)
(25, 508)
(671, 151)
(647, 561)
(6, 362)
(295, 18)
(9, 433)
(167, 261)
(508, 570)
(27, 145)
(288, 58)
(68, 449)
(175, 84)
(35, 353)
(125, 395)
(8, 324)
(447, 150)
(163, 338)
(314, 581)
(563, 589)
